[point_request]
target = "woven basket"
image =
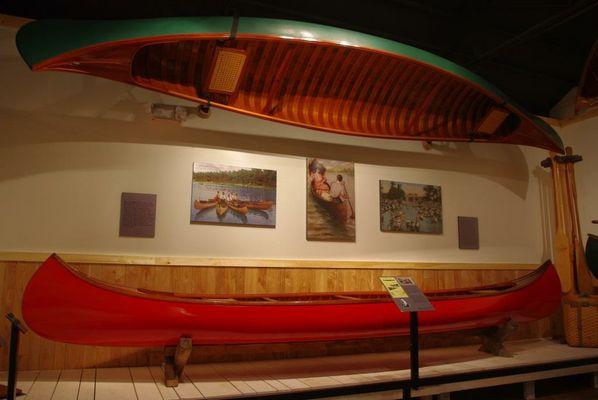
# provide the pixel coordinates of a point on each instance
(580, 315)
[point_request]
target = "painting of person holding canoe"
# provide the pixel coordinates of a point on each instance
(330, 200)
(224, 194)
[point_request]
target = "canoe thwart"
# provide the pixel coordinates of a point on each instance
(493, 338)
(175, 359)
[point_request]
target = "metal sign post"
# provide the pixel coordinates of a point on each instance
(414, 348)
(409, 298)
(16, 328)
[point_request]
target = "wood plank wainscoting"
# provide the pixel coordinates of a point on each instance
(201, 275)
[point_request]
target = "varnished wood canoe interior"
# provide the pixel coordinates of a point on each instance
(336, 88)
(319, 85)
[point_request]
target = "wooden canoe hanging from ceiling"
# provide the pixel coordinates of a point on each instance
(291, 72)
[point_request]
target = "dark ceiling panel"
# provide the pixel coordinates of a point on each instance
(533, 50)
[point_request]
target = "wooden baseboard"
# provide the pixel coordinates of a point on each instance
(255, 263)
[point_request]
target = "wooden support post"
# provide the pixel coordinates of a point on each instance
(493, 339)
(175, 359)
(444, 396)
(529, 390)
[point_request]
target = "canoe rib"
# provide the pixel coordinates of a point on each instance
(63, 304)
(407, 101)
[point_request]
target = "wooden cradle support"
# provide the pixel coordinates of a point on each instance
(493, 339)
(175, 359)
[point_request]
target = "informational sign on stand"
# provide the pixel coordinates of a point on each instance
(409, 298)
(406, 294)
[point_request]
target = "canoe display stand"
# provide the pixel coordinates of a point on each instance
(493, 339)
(175, 359)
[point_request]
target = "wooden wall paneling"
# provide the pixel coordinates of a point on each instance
(171, 261)
(18, 276)
(6, 302)
(345, 280)
(206, 277)
(448, 281)
(429, 280)
(4, 285)
(465, 279)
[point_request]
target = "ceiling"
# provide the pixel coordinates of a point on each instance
(534, 51)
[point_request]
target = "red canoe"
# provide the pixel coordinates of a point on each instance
(62, 304)
(204, 204)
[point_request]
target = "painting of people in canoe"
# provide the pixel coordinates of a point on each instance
(410, 207)
(223, 194)
(330, 200)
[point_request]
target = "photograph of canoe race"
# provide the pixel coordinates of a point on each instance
(410, 207)
(330, 200)
(224, 194)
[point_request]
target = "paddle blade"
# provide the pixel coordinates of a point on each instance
(563, 261)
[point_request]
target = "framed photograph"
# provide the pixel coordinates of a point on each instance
(330, 200)
(410, 207)
(229, 195)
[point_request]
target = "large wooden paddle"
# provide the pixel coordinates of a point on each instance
(583, 276)
(562, 245)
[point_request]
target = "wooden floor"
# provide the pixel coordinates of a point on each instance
(225, 380)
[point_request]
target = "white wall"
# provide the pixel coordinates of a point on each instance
(70, 144)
